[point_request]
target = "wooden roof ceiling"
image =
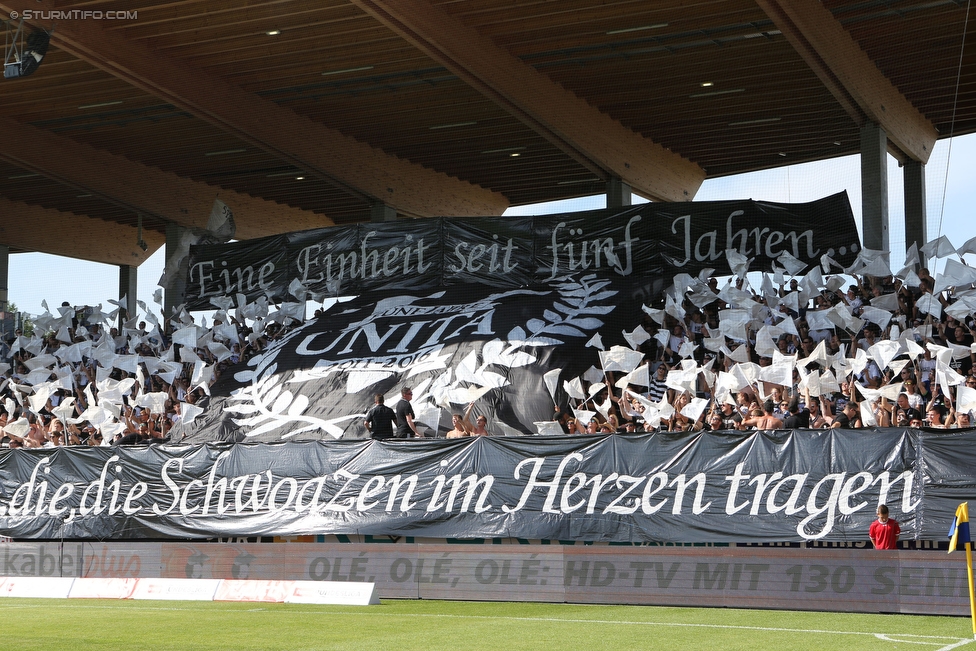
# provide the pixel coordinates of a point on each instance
(303, 113)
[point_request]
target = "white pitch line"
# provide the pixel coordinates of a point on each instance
(887, 638)
(953, 646)
(957, 642)
(646, 623)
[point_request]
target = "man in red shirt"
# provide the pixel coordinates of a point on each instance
(884, 531)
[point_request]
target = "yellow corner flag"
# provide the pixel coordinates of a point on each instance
(959, 534)
(959, 531)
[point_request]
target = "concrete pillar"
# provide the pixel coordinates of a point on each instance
(618, 193)
(915, 216)
(128, 287)
(380, 212)
(4, 271)
(7, 324)
(874, 187)
(175, 291)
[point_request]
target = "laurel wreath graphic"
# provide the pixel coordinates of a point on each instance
(264, 405)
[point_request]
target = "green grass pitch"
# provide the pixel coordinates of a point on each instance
(82, 625)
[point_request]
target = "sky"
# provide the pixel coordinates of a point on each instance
(950, 204)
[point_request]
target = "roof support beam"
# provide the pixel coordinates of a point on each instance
(850, 76)
(33, 228)
(360, 169)
(141, 188)
(597, 141)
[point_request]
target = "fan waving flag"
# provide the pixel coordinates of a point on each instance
(959, 531)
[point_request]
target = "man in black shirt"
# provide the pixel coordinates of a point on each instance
(797, 418)
(404, 416)
(731, 419)
(380, 419)
(848, 418)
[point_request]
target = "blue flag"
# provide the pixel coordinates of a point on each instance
(959, 531)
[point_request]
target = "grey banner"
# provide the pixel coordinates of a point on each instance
(664, 487)
(841, 580)
(641, 241)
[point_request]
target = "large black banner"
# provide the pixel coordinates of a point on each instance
(636, 242)
(453, 346)
(664, 487)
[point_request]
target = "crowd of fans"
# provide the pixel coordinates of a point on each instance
(822, 352)
(855, 350)
(72, 379)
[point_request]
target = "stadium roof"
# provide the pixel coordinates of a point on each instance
(301, 113)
